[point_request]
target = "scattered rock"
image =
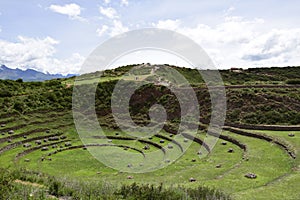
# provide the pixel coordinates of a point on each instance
(24, 136)
(42, 159)
(147, 147)
(27, 160)
(193, 160)
(27, 145)
(161, 141)
(125, 148)
(11, 132)
(9, 141)
(192, 180)
(170, 146)
(45, 140)
(3, 125)
(250, 175)
(68, 144)
(98, 172)
(185, 140)
(129, 165)
(84, 148)
(171, 135)
(218, 166)
(109, 141)
(230, 150)
(45, 149)
(129, 177)
(199, 153)
(54, 146)
(291, 135)
(63, 137)
(2, 133)
(150, 138)
(38, 142)
(48, 131)
(116, 133)
(167, 161)
(50, 159)
(224, 143)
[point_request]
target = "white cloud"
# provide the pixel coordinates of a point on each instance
(101, 31)
(168, 24)
(109, 12)
(118, 28)
(106, 1)
(240, 42)
(37, 54)
(276, 45)
(124, 3)
(72, 10)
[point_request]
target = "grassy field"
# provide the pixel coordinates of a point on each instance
(277, 173)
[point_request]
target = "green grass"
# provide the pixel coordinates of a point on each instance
(277, 177)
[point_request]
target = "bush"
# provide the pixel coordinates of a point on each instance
(293, 81)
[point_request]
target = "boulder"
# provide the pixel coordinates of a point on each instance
(230, 150)
(251, 175)
(3, 125)
(170, 146)
(68, 144)
(129, 177)
(224, 143)
(45, 149)
(63, 137)
(11, 132)
(27, 160)
(185, 140)
(161, 141)
(192, 179)
(26, 145)
(218, 166)
(47, 131)
(193, 160)
(146, 147)
(38, 142)
(291, 135)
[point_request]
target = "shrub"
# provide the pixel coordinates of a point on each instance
(293, 81)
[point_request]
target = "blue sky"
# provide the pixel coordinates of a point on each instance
(56, 36)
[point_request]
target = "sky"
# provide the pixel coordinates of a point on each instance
(56, 36)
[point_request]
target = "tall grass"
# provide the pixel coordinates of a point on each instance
(70, 189)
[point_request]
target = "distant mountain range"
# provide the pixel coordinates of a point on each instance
(28, 74)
